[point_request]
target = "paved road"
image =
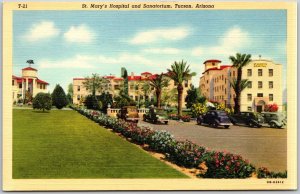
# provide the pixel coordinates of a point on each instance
(261, 146)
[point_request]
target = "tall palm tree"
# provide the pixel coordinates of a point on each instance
(234, 84)
(158, 83)
(179, 73)
(239, 61)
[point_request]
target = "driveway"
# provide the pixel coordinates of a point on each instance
(263, 147)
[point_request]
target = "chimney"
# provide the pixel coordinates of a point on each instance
(132, 75)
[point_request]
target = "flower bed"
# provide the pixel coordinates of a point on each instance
(210, 164)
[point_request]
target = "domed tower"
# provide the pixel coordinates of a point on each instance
(29, 76)
(212, 63)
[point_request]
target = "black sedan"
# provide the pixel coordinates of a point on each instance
(245, 118)
(215, 118)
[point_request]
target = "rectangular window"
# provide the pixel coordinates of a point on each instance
(78, 88)
(260, 84)
(270, 84)
(249, 84)
(260, 95)
(41, 86)
(20, 85)
(271, 97)
(222, 77)
(136, 98)
(13, 82)
(260, 72)
(225, 90)
(44, 86)
(270, 72)
(249, 108)
(249, 97)
(233, 73)
(249, 72)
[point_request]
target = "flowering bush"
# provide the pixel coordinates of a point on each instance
(224, 108)
(199, 109)
(162, 141)
(185, 118)
(186, 153)
(210, 164)
(226, 165)
(271, 108)
(263, 172)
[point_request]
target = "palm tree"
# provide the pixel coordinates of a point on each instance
(158, 83)
(239, 61)
(95, 83)
(234, 84)
(179, 73)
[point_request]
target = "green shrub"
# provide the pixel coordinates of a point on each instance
(59, 98)
(263, 172)
(91, 102)
(42, 101)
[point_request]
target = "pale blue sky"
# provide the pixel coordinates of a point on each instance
(68, 44)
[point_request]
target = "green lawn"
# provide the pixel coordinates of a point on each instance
(65, 144)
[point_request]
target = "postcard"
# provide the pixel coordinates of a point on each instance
(149, 96)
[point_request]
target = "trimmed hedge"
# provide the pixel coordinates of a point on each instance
(210, 164)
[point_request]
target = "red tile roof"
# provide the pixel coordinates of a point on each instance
(20, 79)
(42, 82)
(212, 61)
(29, 68)
(133, 78)
(109, 77)
(216, 68)
(146, 73)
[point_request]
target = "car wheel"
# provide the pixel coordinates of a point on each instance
(251, 124)
(215, 125)
(226, 126)
(273, 125)
(199, 122)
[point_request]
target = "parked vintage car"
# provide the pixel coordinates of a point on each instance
(245, 118)
(129, 113)
(272, 119)
(215, 118)
(156, 115)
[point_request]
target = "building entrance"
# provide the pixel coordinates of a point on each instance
(259, 108)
